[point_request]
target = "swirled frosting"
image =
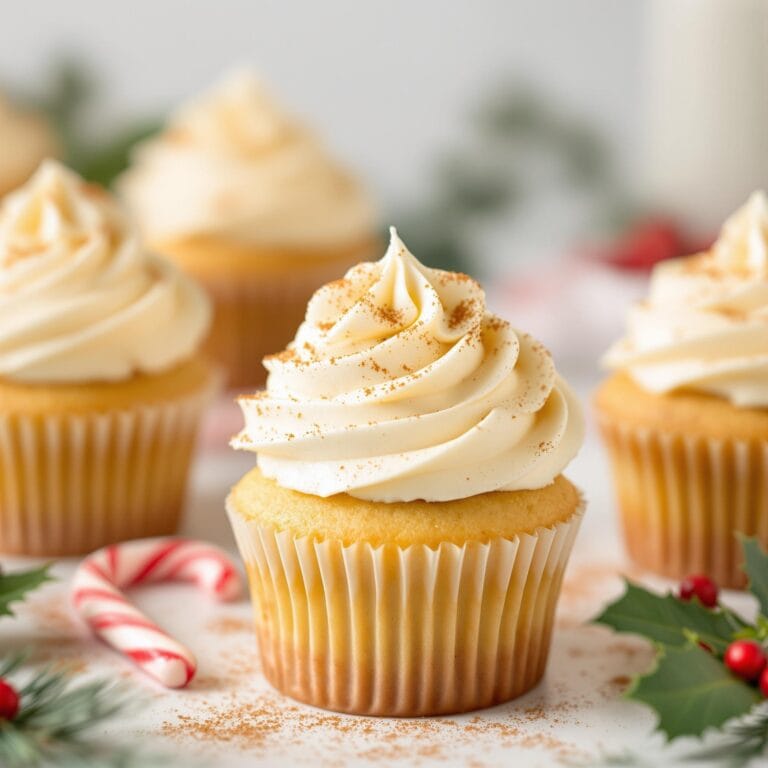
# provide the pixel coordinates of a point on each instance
(231, 164)
(80, 300)
(400, 385)
(704, 325)
(25, 140)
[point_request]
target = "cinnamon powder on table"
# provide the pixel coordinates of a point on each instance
(267, 722)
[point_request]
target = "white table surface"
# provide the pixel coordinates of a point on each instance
(230, 716)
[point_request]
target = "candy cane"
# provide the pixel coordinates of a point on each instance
(97, 596)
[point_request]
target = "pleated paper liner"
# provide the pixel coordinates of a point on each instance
(70, 484)
(398, 631)
(683, 498)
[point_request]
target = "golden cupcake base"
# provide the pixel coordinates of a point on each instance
(403, 631)
(685, 487)
(85, 466)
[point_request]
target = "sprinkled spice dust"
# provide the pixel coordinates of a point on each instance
(386, 314)
(707, 264)
(495, 323)
(230, 709)
(235, 711)
(268, 723)
(459, 314)
(229, 625)
(734, 314)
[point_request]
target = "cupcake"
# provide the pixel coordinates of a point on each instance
(685, 413)
(101, 382)
(406, 529)
(246, 200)
(25, 141)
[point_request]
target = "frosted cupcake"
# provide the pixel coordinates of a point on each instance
(685, 415)
(101, 382)
(407, 527)
(250, 203)
(25, 141)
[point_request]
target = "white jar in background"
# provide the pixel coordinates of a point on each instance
(706, 129)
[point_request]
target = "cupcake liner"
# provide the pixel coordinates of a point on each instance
(399, 631)
(683, 498)
(71, 483)
(257, 316)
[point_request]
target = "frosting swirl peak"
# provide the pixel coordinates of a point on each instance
(704, 325)
(400, 385)
(80, 300)
(232, 164)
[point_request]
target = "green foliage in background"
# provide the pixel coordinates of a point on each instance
(518, 147)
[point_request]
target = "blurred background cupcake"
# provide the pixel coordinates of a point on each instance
(685, 413)
(247, 200)
(26, 139)
(102, 384)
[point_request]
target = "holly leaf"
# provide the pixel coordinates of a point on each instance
(691, 691)
(667, 620)
(756, 568)
(14, 586)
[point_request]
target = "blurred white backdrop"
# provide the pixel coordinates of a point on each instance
(387, 83)
(392, 87)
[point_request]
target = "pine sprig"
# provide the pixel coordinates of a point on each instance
(56, 721)
(743, 740)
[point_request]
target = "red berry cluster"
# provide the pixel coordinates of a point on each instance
(745, 658)
(699, 586)
(649, 241)
(9, 701)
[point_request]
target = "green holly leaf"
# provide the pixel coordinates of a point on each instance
(14, 586)
(691, 690)
(756, 568)
(666, 619)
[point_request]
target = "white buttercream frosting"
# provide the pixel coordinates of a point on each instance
(80, 299)
(704, 325)
(232, 164)
(400, 385)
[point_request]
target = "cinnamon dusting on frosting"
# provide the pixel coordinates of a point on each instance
(80, 299)
(410, 381)
(704, 325)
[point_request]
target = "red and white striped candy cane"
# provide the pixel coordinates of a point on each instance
(97, 596)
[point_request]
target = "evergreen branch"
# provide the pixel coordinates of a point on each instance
(56, 719)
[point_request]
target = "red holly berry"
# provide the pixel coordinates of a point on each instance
(9, 701)
(764, 682)
(745, 658)
(646, 243)
(699, 586)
